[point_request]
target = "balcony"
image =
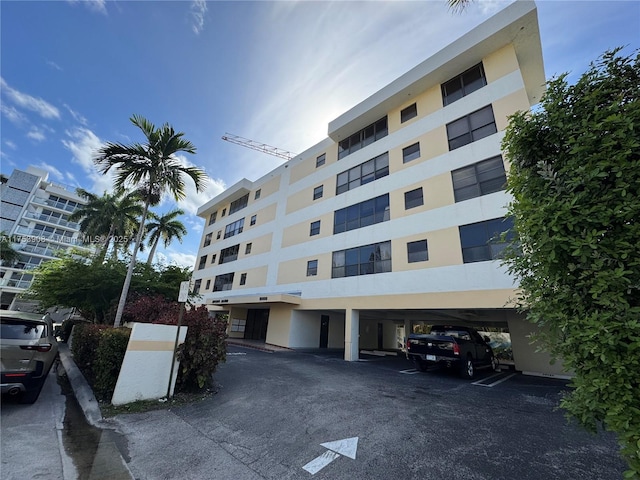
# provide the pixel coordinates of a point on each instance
(52, 220)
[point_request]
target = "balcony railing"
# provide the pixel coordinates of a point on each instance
(50, 203)
(51, 219)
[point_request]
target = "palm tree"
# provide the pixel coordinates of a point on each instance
(107, 218)
(153, 170)
(164, 227)
(458, 5)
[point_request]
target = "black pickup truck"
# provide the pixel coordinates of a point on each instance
(452, 346)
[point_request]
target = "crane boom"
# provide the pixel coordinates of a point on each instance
(261, 147)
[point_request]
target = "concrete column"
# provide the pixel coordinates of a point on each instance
(351, 335)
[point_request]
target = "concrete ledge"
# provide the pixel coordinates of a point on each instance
(81, 389)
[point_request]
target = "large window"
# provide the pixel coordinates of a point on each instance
(229, 254)
(212, 217)
(238, 204)
(362, 214)
(362, 174)
(365, 260)
(417, 251)
(202, 262)
(463, 84)
(481, 178)
(364, 137)
(223, 282)
(481, 241)
(234, 228)
(474, 126)
(413, 199)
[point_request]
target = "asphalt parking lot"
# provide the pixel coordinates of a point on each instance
(297, 415)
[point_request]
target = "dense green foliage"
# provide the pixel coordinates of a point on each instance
(98, 351)
(8, 255)
(108, 360)
(204, 347)
(575, 178)
(93, 287)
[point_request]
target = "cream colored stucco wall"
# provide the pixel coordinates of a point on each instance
(500, 63)
(255, 277)
(267, 188)
(295, 271)
(443, 248)
(299, 233)
(508, 105)
(527, 358)
(240, 314)
(304, 198)
(426, 103)
(279, 325)
(259, 245)
(264, 215)
(437, 192)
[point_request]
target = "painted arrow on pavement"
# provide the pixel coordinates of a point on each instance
(347, 447)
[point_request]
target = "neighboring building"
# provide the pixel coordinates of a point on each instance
(386, 226)
(34, 213)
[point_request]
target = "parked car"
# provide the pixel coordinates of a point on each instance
(453, 346)
(28, 349)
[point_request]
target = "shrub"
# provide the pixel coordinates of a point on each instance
(108, 360)
(204, 347)
(86, 338)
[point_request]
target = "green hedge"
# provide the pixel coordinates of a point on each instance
(99, 350)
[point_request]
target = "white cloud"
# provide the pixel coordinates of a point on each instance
(194, 199)
(76, 116)
(51, 169)
(36, 134)
(83, 144)
(13, 115)
(10, 144)
(54, 65)
(198, 10)
(38, 105)
(177, 258)
(98, 6)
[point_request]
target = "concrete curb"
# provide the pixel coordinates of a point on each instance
(81, 389)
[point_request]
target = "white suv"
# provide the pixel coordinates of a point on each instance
(28, 349)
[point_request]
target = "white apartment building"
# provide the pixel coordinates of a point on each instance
(34, 214)
(388, 224)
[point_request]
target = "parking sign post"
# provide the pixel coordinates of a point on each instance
(183, 295)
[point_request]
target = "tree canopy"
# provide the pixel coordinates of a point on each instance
(575, 179)
(152, 169)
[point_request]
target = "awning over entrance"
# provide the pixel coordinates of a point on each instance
(239, 300)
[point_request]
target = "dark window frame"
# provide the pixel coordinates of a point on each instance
(314, 228)
(370, 212)
(411, 152)
(360, 139)
(234, 228)
(254, 218)
(481, 178)
(463, 84)
(239, 204)
(318, 192)
(367, 172)
(243, 278)
(207, 239)
(416, 252)
(480, 241)
(312, 268)
(223, 282)
(412, 199)
(321, 159)
(247, 248)
(408, 113)
(203, 262)
(229, 254)
(465, 130)
(358, 260)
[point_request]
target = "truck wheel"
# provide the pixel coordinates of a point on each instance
(494, 363)
(466, 368)
(420, 366)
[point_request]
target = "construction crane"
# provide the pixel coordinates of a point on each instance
(260, 147)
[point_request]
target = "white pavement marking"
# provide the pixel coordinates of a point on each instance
(235, 353)
(347, 447)
(411, 371)
(318, 463)
(494, 383)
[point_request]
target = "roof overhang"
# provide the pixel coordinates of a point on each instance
(253, 300)
(232, 193)
(516, 24)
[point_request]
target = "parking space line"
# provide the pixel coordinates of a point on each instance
(480, 384)
(411, 371)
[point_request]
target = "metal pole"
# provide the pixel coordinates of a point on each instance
(175, 347)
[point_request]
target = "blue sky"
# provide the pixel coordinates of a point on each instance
(73, 73)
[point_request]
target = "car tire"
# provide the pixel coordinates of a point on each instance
(495, 365)
(467, 370)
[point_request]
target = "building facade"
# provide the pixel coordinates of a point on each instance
(391, 223)
(34, 214)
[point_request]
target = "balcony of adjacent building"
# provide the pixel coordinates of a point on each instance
(59, 204)
(54, 218)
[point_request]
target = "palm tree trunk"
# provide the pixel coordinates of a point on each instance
(153, 250)
(132, 264)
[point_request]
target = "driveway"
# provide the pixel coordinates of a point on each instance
(273, 412)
